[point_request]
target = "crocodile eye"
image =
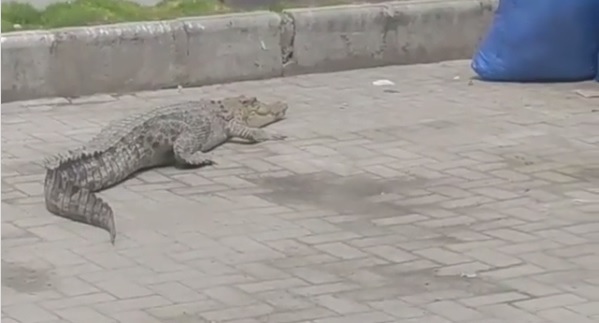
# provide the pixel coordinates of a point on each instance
(249, 101)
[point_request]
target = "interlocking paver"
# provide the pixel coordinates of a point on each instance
(441, 201)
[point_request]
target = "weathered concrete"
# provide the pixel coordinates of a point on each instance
(199, 51)
(336, 38)
(121, 58)
(231, 48)
(432, 201)
(82, 61)
(25, 61)
(346, 37)
(422, 32)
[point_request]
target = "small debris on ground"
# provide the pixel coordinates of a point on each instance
(382, 83)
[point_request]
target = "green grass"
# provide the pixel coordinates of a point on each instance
(20, 16)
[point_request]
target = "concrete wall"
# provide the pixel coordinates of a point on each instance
(339, 38)
(123, 58)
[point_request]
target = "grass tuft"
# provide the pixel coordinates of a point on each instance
(21, 16)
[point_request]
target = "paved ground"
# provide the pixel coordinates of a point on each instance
(433, 201)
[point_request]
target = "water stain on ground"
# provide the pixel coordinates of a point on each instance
(342, 194)
(23, 279)
(354, 195)
(424, 283)
(588, 174)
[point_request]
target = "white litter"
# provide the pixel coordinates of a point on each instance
(382, 83)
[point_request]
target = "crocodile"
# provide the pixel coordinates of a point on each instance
(180, 134)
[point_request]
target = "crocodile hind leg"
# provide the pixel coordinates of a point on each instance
(78, 204)
(191, 149)
(187, 151)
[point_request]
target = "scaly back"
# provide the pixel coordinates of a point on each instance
(118, 130)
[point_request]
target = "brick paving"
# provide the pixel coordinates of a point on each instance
(435, 200)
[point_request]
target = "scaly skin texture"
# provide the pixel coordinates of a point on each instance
(178, 134)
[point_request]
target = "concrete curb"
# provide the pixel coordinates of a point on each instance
(72, 62)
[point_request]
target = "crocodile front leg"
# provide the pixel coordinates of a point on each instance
(239, 130)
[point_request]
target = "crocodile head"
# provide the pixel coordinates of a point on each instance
(253, 112)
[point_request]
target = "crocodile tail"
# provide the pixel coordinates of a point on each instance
(71, 156)
(67, 199)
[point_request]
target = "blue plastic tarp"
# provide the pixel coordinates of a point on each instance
(540, 41)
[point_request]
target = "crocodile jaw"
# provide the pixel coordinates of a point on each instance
(265, 114)
(253, 112)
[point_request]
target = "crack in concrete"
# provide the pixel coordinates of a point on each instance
(287, 38)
